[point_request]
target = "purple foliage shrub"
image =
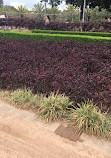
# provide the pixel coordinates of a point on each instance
(79, 70)
(62, 26)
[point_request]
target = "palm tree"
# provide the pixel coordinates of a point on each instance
(38, 8)
(21, 9)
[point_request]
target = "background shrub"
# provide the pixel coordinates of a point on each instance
(76, 26)
(79, 70)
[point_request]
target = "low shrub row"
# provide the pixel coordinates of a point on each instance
(20, 22)
(73, 33)
(62, 26)
(56, 37)
(79, 70)
(86, 117)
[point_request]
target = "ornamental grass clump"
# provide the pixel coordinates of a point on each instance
(21, 96)
(24, 98)
(88, 118)
(54, 107)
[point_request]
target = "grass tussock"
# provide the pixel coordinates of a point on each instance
(20, 30)
(23, 98)
(53, 107)
(91, 120)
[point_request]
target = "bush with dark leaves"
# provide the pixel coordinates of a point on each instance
(79, 70)
(62, 26)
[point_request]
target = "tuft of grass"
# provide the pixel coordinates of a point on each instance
(20, 30)
(23, 98)
(90, 119)
(54, 107)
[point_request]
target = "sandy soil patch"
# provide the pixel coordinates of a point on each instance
(21, 136)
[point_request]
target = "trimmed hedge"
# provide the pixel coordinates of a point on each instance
(73, 33)
(20, 22)
(55, 37)
(79, 70)
(62, 26)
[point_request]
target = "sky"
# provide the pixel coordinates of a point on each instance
(27, 3)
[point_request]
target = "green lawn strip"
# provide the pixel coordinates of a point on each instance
(55, 37)
(102, 34)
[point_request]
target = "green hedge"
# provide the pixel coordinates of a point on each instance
(102, 34)
(55, 37)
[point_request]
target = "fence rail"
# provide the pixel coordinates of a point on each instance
(62, 17)
(41, 16)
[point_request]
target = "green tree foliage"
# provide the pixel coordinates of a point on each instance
(100, 3)
(53, 10)
(54, 3)
(92, 3)
(70, 9)
(94, 14)
(75, 2)
(1, 3)
(21, 9)
(38, 8)
(71, 12)
(8, 9)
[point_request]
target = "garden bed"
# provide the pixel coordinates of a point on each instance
(79, 70)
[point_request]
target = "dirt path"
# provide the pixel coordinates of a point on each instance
(23, 137)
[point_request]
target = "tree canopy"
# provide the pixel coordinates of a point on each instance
(1, 3)
(53, 3)
(22, 9)
(106, 4)
(8, 9)
(38, 8)
(53, 10)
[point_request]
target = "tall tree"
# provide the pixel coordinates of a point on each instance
(1, 3)
(7, 8)
(53, 10)
(54, 3)
(38, 8)
(74, 2)
(21, 9)
(78, 3)
(71, 12)
(106, 4)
